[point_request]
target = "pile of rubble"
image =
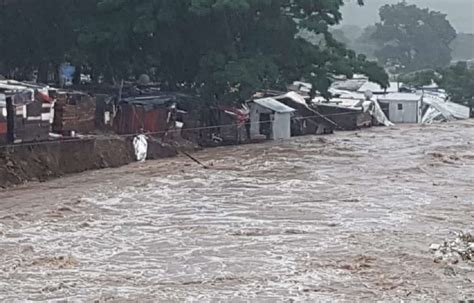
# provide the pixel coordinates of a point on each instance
(461, 249)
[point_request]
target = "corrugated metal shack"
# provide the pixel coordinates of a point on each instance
(306, 120)
(74, 112)
(231, 126)
(402, 107)
(3, 118)
(270, 119)
(347, 114)
(155, 114)
(25, 117)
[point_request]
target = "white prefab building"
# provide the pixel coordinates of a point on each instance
(270, 118)
(402, 107)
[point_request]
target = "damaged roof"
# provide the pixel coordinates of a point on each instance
(158, 99)
(400, 97)
(274, 105)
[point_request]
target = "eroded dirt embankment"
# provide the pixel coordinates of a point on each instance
(47, 160)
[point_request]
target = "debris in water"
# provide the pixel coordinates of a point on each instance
(61, 262)
(461, 249)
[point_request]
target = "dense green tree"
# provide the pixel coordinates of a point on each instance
(419, 78)
(109, 39)
(413, 38)
(35, 35)
(228, 49)
(224, 50)
(458, 80)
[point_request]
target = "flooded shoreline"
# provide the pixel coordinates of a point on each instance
(338, 218)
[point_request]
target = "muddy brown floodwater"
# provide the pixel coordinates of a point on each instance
(348, 217)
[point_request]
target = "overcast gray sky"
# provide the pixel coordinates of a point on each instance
(460, 12)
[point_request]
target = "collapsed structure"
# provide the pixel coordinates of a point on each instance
(395, 104)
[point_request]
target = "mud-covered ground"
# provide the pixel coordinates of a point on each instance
(339, 218)
(44, 161)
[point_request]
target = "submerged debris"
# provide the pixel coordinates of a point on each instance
(461, 249)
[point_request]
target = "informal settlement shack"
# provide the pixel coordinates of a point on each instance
(231, 125)
(402, 107)
(270, 119)
(156, 114)
(305, 120)
(25, 112)
(74, 112)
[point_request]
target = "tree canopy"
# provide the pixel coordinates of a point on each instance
(34, 35)
(458, 80)
(221, 49)
(412, 38)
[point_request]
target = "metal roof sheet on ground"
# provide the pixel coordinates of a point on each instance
(377, 89)
(447, 110)
(459, 111)
(393, 97)
(274, 105)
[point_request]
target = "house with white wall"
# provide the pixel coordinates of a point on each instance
(270, 118)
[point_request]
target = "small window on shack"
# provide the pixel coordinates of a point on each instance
(400, 106)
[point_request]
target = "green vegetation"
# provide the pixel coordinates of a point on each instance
(458, 80)
(411, 38)
(221, 49)
(417, 46)
(408, 39)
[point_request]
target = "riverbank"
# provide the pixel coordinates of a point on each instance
(53, 159)
(43, 161)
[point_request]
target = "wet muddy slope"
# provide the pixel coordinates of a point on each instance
(49, 160)
(338, 218)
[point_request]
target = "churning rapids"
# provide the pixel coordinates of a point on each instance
(339, 218)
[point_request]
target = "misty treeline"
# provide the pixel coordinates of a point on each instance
(417, 46)
(220, 49)
(409, 38)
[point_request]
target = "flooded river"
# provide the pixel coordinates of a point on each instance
(338, 218)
